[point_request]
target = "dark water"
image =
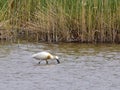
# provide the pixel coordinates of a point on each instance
(82, 67)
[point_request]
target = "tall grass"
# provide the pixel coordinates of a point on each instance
(62, 20)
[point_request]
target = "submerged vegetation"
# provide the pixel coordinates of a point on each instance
(60, 20)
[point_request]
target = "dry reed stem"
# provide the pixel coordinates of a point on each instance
(63, 20)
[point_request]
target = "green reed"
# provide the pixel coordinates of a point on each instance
(63, 20)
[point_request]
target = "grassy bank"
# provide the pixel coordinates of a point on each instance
(60, 20)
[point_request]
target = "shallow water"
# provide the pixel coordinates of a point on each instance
(82, 67)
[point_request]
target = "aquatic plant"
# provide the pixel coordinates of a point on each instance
(61, 20)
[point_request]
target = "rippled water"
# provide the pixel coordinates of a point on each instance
(82, 67)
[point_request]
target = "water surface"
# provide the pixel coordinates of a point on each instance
(82, 67)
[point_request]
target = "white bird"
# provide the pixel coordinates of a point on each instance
(45, 56)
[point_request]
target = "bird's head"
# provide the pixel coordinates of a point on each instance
(57, 58)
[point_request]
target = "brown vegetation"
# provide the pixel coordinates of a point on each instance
(88, 21)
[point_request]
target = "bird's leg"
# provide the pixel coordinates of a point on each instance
(46, 62)
(39, 62)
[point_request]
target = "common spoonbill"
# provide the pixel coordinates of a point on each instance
(45, 56)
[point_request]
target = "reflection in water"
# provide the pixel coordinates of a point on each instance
(82, 67)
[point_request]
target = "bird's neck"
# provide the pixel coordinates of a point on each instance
(51, 57)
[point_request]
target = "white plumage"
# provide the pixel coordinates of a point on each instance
(45, 56)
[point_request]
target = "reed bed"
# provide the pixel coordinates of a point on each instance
(61, 20)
